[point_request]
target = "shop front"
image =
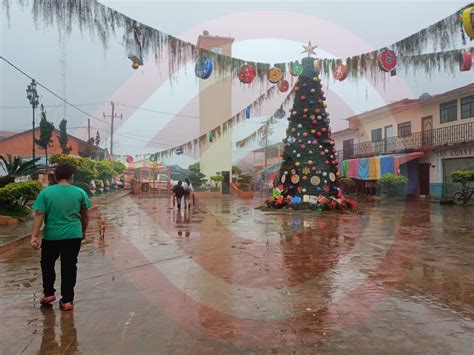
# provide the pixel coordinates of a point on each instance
(445, 161)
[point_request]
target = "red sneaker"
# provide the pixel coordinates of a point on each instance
(47, 299)
(68, 306)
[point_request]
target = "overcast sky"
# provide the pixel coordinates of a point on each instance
(80, 69)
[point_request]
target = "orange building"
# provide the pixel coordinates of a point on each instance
(20, 144)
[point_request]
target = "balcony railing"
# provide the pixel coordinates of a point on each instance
(425, 140)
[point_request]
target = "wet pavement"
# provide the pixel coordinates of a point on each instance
(12, 232)
(225, 278)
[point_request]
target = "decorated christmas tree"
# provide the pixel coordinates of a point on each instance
(308, 173)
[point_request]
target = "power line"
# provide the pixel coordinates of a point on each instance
(49, 106)
(50, 91)
(157, 111)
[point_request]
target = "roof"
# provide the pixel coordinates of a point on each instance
(404, 104)
(15, 134)
(6, 134)
(346, 130)
(274, 146)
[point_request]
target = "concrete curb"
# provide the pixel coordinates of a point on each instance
(20, 240)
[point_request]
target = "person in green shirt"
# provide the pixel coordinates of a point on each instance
(63, 209)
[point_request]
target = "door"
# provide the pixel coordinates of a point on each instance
(226, 182)
(427, 128)
(424, 178)
(388, 138)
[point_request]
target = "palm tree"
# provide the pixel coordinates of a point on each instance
(16, 167)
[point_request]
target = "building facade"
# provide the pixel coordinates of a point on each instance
(429, 137)
(21, 144)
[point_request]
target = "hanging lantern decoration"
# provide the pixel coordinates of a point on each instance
(296, 69)
(280, 113)
(210, 137)
(153, 157)
(465, 62)
(134, 46)
(317, 66)
(467, 20)
(203, 68)
(387, 60)
(274, 75)
(246, 73)
(179, 151)
(283, 86)
(129, 159)
(247, 112)
(340, 72)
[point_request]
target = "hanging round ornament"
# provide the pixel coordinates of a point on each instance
(465, 61)
(332, 177)
(283, 85)
(387, 60)
(129, 159)
(246, 73)
(203, 68)
(295, 179)
(467, 19)
(296, 69)
(280, 113)
(315, 180)
(274, 75)
(340, 72)
(317, 66)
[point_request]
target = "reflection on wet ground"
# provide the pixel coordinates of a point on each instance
(226, 278)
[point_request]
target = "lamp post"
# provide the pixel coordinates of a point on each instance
(32, 96)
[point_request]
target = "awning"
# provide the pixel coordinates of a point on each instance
(374, 168)
(270, 169)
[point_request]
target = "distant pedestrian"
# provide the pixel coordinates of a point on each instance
(63, 208)
(178, 191)
(188, 189)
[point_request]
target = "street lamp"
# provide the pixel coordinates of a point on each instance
(32, 96)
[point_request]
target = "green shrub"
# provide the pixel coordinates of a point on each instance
(217, 179)
(84, 186)
(463, 176)
(18, 194)
(345, 181)
(392, 185)
(65, 159)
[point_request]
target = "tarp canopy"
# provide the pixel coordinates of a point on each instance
(374, 168)
(270, 169)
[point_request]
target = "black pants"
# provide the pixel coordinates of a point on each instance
(51, 250)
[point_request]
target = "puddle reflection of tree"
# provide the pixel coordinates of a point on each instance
(68, 343)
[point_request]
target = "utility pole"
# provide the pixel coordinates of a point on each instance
(266, 144)
(88, 129)
(112, 117)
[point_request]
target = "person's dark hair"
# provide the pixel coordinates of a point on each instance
(180, 183)
(63, 172)
(187, 181)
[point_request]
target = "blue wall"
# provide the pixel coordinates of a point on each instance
(436, 190)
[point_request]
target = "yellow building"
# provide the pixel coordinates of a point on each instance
(215, 106)
(439, 127)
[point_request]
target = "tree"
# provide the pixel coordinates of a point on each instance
(236, 171)
(63, 137)
(46, 132)
(195, 176)
(118, 166)
(16, 167)
(97, 139)
(105, 170)
(89, 149)
(309, 167)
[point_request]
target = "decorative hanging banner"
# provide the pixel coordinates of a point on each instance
(203, 68)
(467, 20)
(274, 75)
(246, 74)
(387, 60)
(296, 69)
(465, 62)
(340, 72)
(283, 85)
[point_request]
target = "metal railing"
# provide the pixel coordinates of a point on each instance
(425, 140)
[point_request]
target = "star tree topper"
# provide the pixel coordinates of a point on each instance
(309, 49)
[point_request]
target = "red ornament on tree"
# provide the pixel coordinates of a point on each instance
(246, 74)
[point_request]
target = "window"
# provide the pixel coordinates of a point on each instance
(448, 111)
(467, 107)
(348, 148)
(404, 129)
(377, 135)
